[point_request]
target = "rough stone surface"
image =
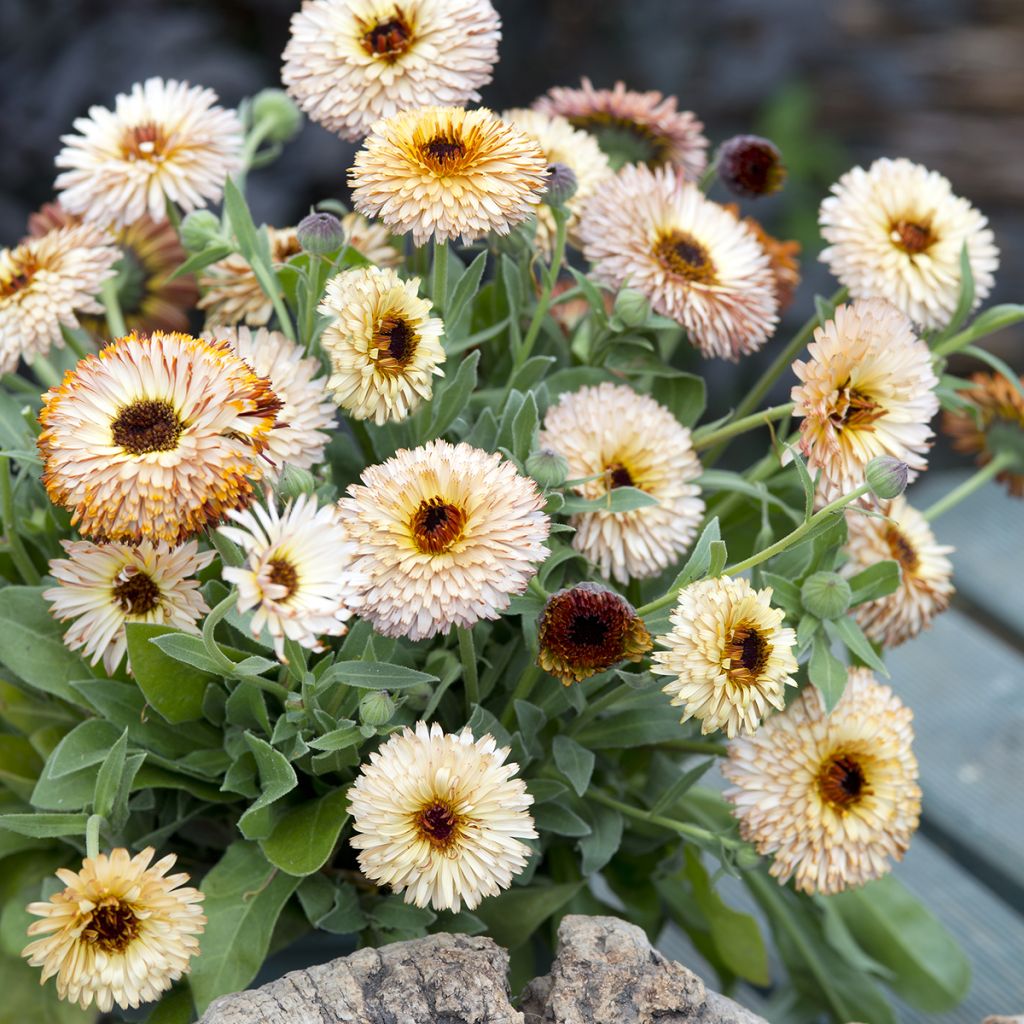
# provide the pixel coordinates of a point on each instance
(606, 972)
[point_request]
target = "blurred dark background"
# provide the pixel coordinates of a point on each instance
(834, 83)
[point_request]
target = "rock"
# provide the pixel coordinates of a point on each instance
(606, 972)
(441, 979)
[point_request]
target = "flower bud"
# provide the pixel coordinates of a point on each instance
(277, 107)
(826, 595)
(294, 482)
(418, 696)
(547, 467)
(750, 166)
(886, 476)
(320, 233)
(376, 708)
(561, 185)
(632, 307)
(199, 229)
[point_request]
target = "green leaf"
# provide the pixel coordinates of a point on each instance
(524, 427)
(700, 558)
(347, 734)
(200, 260)
(874, 582)
(576, 763)
(174, 690)
(25, 1001)
(681, 786)
(993, 319)
(856, 642)
(45, 826)
(277, 777)
(965, 301)
(618, 499)
(556, 818)
(173, 1008)
(450, 401)
(785, 593)
(515, 914)
(462, 295)
(826, 671)
(725, 480)
(304, 838)
(87, 744)
(244, 896)
(604, 840)
(109, 776)
(805, 482)
(393, 912)
(684, 396)
(331, 907)
(543, 790)
(20, 766)
(375, 675)
(190, 650)
(637, 720)
(930, 970)
(997, 364)
(718, 556)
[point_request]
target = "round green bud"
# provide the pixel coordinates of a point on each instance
(320, 233)
(199, 229)
(547, 467)
(746, 858)
(417, 697)
(562, 184)
(632, 307)
(886, 476)
(376, 708)
(277, 108)
(826, 595)
(295, 482)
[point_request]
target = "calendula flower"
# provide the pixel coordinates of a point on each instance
(998, 408)
(119, 932)
(783, 257)
(439, 817)
(694, 260)
(150, 252)
(925, 572)
(231, 290)
(47, 282)
(623, 439)
(445, 535)
(633, 127)
(868, 389)
(370, 239)
(833, 798)
(101, 587)
(896, 231)
(155, 437)
(297, 571)
(298, 439)
(730, 654)
(350, 62)
(383, 345)
(443, 172)
(562, 144)
(586, 629)
(162, 141)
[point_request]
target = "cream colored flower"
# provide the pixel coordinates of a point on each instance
(439, 817)
(44, 283)
(624, 439)
(730, 654)
(370, 239)
(868, 389)
(297, 573)
(119, 932)
(633, 127)
(443, 172)
(350, 62)
(896, 231)
(101, 587)
(832, 797)
(298, 439)
(562, 144)
(155, 437)
(162, 141)
(383, 345)
(695, 260)
(925, 572)
(445, 535)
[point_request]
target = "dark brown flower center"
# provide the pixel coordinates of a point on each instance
(619, 476)
(396, 342)
(147, 425)
(137, 594)
(443, 153)
(389, 38)
(18, 274)
(439, 824)
(283, 573)
(842, 781)
(112, 926)
(143, 142)
(912, 237)
(681, 254)
(854, 409)
(901, 549)
(747, 652)
(436, 525)
(588, 631)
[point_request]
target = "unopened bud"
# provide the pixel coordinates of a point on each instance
(418, 696)
(294, 482)
(886, 476)
(199, 229)
(750, 166)
(561, 184)
(826, 595)
(547, 467)
(376, 708)
(632, 307)
(320, 233)
(277, 108)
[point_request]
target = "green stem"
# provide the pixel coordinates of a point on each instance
(362, 435)
(252, 143)
(550, 278)
(74, 341)
(439, 287)
(524, 687)
(112, 304)
(702, 440)
(684, 746)
(19, 554)
(979, 478)
(13, 382)
(591, 711)
(537, 589)
(683, 828)
(92, 835)
(467, 651)
(46, 373)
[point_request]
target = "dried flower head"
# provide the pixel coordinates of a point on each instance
(730, 654)
(586, 629)
(350, 62)
(383, 345)
(925, 572)
(868, 389)
(623, 439)
(119, 932)
(692, 258)
(832, 797)
(896, 231)
(633, 127)
(445, 535)
(750, 166)
(155, 437)
(163, 141)
(439, 817)
(101, 587)
(443, 172)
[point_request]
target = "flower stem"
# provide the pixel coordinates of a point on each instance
(74, 341)
(92, 835)
(45, 372)
(544, 299)
(684, 746)
(683, 828)
(977, 479)
(439, 288)
(19, 555)
(112, 305)
(362, 435)
(591, 711)
(524, 687)
(467, 652)
(741, 426)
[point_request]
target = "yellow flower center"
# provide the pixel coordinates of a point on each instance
(137, 594)
(854, 409)
(901, 549)
(396, 344)
(443, 153)
(912, 237)
(147, 425)
(437, 525)
(681, 254)
(143, 142)
(112, 926)
(389, 38)
(18, 272)
(747, 652)
(842, 781)
(439, 824)
(284, 574)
